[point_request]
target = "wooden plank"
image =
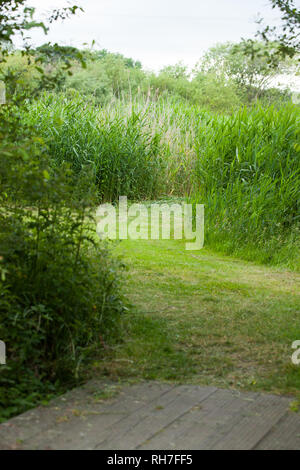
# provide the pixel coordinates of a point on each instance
(285, 435)
(135, 430)
(86, 431)
(257, 421)
(37, 420)
(203, 426)
(44, 425)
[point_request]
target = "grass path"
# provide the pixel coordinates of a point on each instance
(207, 319)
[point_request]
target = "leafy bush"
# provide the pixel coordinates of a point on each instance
(59, 288)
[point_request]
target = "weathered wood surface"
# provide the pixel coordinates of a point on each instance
(156, 416)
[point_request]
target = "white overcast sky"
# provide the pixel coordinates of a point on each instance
(156, 32)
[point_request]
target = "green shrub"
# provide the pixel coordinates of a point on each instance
(59, 289)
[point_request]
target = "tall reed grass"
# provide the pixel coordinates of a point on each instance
(248, 175)
(244, 167)
(122, 149)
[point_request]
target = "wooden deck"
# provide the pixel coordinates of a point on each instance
(156, 416)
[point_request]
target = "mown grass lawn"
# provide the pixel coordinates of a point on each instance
(207, 319)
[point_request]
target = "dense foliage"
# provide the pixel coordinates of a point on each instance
(60, 296)
(244, 167)
(121, 149)
(248, 175)
(287, 32)
(224, 79)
